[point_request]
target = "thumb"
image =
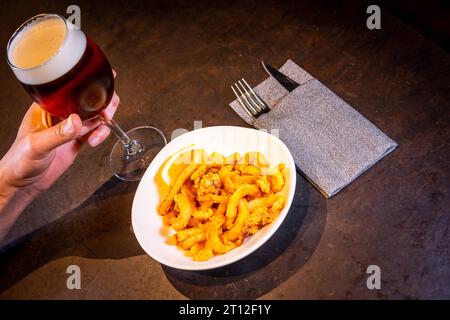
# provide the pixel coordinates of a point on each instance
(46, 140)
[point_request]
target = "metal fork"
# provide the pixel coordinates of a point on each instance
(249, 99)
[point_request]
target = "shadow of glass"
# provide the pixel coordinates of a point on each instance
(269, 266)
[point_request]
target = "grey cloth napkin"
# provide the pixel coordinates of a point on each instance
(332, 143)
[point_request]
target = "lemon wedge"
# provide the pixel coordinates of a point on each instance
(165, 170)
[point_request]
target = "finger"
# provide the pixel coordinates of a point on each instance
(114, 73)
(111, 109)
(92, 124)
(89, 125)
(98, 136)
(46, 140)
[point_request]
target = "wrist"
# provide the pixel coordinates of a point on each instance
(9, 189)
(13, 200)
(18, 194)
(10, 192)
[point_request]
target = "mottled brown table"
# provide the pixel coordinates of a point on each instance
(175, 62)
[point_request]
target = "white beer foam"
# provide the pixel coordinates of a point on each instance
(62, 62)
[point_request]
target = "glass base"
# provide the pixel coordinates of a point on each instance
(129, 161)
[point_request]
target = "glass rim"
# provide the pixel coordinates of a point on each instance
(19, 30)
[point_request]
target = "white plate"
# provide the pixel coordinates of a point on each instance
(148, 224)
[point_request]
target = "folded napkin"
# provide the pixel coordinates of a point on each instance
(332, 143)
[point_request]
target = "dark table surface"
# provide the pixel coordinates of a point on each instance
(175, 62)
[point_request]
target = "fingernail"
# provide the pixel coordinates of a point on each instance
(68, 127)
(112, 109)
(95, 141)
(115, 100)
(109, 113)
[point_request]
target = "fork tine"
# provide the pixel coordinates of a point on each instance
(242, 103)
(263, 104)
(247, 93)
(249, 105)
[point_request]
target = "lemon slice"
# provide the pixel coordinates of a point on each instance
(165, 170)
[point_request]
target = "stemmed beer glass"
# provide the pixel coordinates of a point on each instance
(65, 72)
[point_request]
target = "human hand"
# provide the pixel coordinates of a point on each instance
(39, 155)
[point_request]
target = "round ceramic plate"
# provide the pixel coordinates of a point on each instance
(148, 224)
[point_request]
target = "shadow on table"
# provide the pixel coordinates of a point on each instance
(100, 228)
(269, 266)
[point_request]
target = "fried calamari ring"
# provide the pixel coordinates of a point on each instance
(200, 171)
(187, 233)
(187, 191)
(217, 246)
(278, 205)
(277, 181)
(189, 242)
(175, 188)
(235, 232)
(195, 249)
(181, 221)
(264, 184)
(245, 179)
(221, 209)
(248, 169)
(242, 191)
(202, 214)
(215, 198)
(266, 201)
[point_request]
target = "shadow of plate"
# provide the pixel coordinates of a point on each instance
(270, 265)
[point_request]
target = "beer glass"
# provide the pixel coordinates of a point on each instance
(65, 72)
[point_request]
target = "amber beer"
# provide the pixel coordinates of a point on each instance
(60, 67)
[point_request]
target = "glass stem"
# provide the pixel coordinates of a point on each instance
(117, 130)
(133, 149)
